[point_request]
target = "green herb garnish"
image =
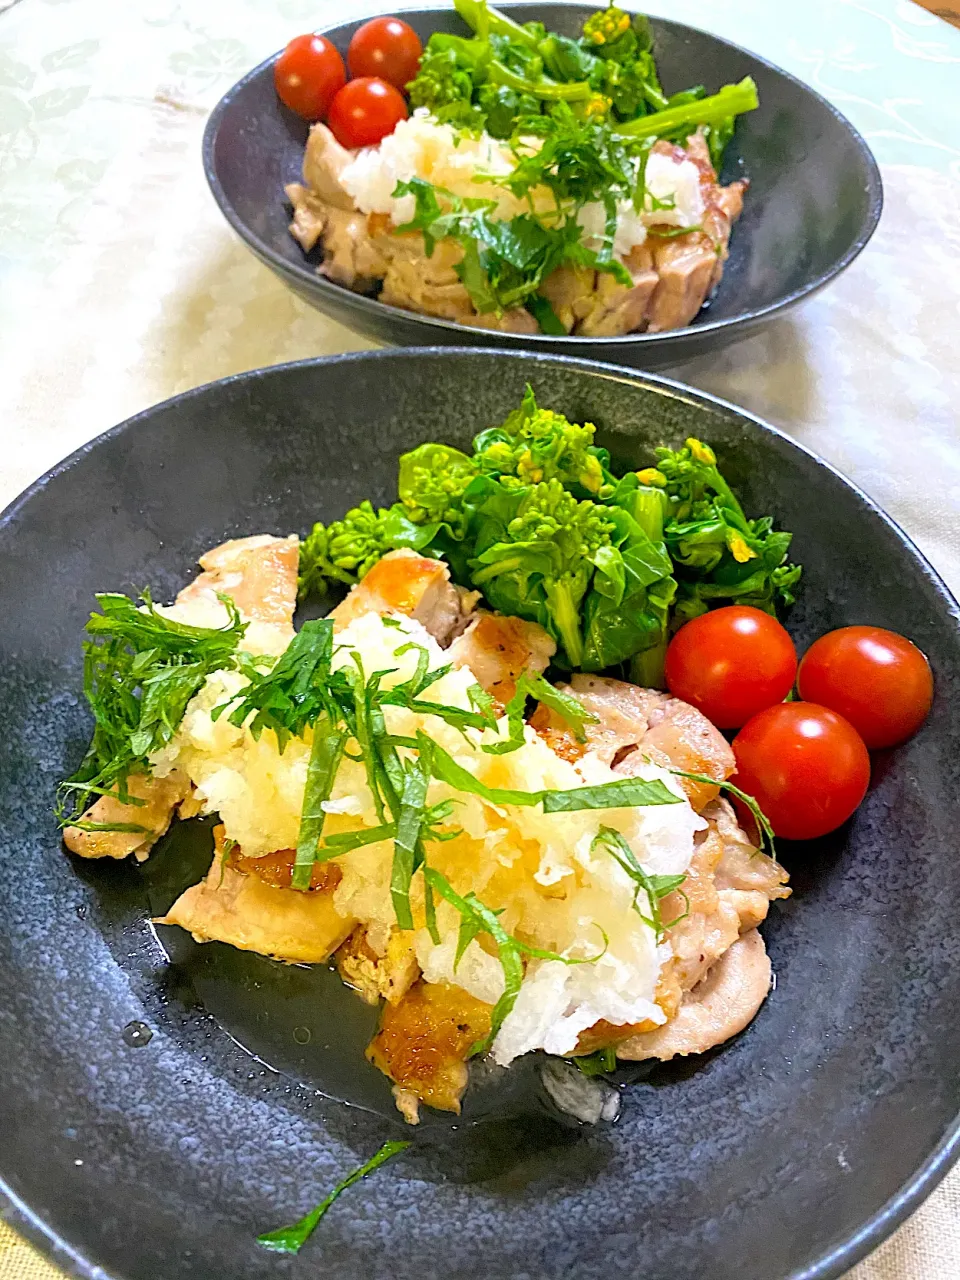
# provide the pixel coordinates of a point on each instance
(653, 887)
(325, 756)
(599, 1063)
(568, 707)
(140, 671)
(718, 554)
(479, 918)
(625, 793)
(291, 1239)
(408, 846)
(764, 826)
(504, 260)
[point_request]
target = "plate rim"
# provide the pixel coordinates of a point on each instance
(834, 1262)
(302, 274)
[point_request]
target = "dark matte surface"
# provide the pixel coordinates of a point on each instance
(789, 1153)
(813, 203)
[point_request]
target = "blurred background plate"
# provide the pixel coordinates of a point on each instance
(814, 200)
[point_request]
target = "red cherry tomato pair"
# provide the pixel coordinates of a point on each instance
(806, 762)
(384, 55)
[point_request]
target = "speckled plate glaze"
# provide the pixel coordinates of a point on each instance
(789, 1153)
(814, 199)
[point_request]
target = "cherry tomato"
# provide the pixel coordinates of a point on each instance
(386, 48)
(365, 111)
(878, 680)
(806, 767)
(308, 75)
(730, 663)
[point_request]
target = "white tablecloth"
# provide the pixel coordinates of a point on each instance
(120, 284)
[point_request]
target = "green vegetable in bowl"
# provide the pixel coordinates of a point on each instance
(537, 521)
(344, 550)
(537, 444)
(508, 72)
(719, 555)
(541, 565)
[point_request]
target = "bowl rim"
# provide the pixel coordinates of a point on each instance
(835, 1261)
(306, 276)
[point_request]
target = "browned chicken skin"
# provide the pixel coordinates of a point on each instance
(423, 1042)
(276, 869)
(245, 910)
(498, 650)
(404, 582)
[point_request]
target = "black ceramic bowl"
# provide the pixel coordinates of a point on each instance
(788, 1153)
(814, 199)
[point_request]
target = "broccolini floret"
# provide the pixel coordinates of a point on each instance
(725, 555)
(344, 550)
(537, 521)
(432, 480)
(537, 444)
(542, 567)
(449, 69)
(606, 26)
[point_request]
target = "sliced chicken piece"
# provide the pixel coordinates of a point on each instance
(710, 924)
(309, 215)
(635, 724)
(350, 257)
(718, 1008)
(423, 1042)
(617, 308)
(689, 267)
(680, 737)
(404, 582)
(728, 199)
(378, 977)
(517, 320)
(243, 910)
(323, 162)
(569, 290)
(497, 649)
(160, 796)
(726, 894)
(260, 575)
(416, 282)
(741, 868)
(623, 712)
(685, 269)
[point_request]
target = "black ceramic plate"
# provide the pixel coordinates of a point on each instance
(814, 199)
(790, 1152)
